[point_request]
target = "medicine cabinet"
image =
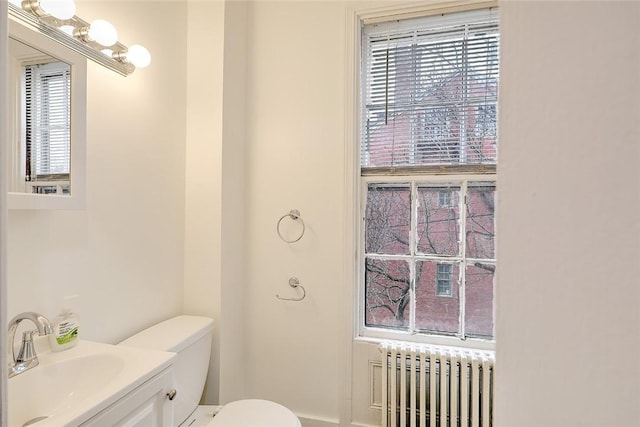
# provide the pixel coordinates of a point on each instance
(47, 121)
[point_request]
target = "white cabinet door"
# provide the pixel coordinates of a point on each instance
(146, 406)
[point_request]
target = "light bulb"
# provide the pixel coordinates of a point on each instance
(61, 9)
(138, 56)
(103, 32)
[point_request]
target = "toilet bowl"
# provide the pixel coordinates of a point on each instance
(242, 413)
(190, 338)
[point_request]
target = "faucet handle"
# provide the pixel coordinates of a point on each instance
(27, 352)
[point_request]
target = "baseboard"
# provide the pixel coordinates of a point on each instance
(309, 421)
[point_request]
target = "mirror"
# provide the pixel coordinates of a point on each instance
(47, 122)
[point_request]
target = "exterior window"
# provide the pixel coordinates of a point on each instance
(444, 199)
(428, 154)
(444, 274)
(414, 255)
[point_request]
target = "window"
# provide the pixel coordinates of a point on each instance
(444, 274)
(444, 199)
(47, 120)
(428, 153)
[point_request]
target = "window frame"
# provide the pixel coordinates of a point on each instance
(368, 333)
(355, 195)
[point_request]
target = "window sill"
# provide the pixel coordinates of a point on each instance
(380, 337)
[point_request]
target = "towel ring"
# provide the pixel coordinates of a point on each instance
(294, 283)
(294, 214)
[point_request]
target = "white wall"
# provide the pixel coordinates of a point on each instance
(233, 205)
(262, 127)
(295, 159)
(568, 299)
(123, 254)
(203, 193)
(214, 214)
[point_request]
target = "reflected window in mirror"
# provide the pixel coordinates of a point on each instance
(46, 118)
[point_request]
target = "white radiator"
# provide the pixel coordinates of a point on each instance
(428, 386)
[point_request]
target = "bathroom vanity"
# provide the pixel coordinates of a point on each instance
(94, 384)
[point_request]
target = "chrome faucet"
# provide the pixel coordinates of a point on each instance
(27, 357)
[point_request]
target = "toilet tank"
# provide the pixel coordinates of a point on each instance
(190, 337)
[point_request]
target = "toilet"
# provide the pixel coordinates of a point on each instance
(190, 338)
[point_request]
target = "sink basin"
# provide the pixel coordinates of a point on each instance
(67, 388)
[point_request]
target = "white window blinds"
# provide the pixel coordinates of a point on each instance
(429, 92)
(48, 120)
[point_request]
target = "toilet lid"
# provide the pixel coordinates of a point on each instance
(255, 413)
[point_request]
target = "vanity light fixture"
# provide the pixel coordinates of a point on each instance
(97, 41)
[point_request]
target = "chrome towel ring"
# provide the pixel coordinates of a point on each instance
(294, 214)
(294, 283)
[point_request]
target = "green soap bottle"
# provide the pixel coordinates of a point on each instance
(65, 327)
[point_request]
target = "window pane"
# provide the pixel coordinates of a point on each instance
(480, 222)
(438, 214)
(436, 313)
(387, 286)
(387, 220)
(479, 300)
(430, 91)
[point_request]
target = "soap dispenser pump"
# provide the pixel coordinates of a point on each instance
(65, 327)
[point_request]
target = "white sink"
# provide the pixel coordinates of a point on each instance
(69, 387)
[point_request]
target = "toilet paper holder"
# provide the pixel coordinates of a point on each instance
(294, 282)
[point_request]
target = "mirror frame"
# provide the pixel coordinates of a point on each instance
(31, 36)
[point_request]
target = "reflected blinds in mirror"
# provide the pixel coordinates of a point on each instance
(429, 91)
(47, 121)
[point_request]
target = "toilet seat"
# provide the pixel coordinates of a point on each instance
(255, 413)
